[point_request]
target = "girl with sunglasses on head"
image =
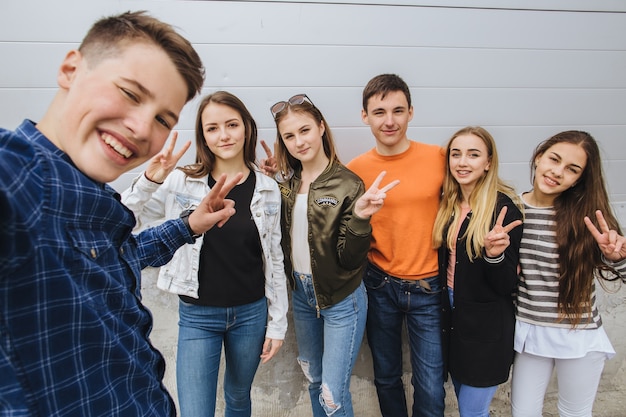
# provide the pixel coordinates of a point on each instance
(562, 253)
(477, 232)
(233, 277)
(326, 237)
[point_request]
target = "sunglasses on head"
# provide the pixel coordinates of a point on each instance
(282, 105)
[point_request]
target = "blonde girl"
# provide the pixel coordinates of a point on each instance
(477, 232)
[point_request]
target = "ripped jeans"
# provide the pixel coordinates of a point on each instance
(328, 345)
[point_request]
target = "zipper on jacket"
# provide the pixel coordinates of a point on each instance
(317, 303)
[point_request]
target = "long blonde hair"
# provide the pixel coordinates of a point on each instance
(483, 199)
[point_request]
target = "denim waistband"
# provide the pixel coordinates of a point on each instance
(422, 282)
(301, 275)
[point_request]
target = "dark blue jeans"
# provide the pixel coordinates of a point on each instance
(391, 302)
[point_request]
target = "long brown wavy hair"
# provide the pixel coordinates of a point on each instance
(205, 159)
(579, 254)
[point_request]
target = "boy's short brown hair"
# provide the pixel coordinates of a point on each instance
(383, 84)
(110, 34)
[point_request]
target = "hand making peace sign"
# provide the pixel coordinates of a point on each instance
(268, 165)
(215, 208)
(497, 240)
(610, 242)
(163, 163)
(372, 200)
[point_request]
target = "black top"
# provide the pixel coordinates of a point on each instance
(231, 258)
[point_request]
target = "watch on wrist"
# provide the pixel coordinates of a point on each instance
(184, 216)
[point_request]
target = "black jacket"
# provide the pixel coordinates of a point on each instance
(478, 330)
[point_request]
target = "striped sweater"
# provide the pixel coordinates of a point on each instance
(539, 281)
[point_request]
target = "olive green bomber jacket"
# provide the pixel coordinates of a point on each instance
(338, 239)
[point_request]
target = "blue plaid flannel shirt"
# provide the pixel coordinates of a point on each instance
(73, 330)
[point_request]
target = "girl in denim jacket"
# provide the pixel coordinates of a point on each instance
(233, 277)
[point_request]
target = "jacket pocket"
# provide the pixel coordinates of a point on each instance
(271, 209)
(103, 288)
(186, 202)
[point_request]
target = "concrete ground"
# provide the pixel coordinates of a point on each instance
(280, 389)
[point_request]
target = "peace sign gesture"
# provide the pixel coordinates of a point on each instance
(165, 161)
(215, 208)
(609, 241)
(268, 165)
(372, 200)
(497, 240)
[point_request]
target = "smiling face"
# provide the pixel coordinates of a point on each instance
(469, 160)
(558, 169)
(302, 136)
(117, 113)
(224, 131)
(389, 118)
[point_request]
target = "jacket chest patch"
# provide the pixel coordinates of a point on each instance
(285, 191)
(327, 201)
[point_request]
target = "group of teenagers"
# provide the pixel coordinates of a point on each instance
(479, 276)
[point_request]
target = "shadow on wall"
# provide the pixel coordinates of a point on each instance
(280, 389)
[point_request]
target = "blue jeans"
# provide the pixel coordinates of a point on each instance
(391, 301)
(473, 401)
(328, 345)
(202, 331)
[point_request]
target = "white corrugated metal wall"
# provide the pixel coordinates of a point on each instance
(523, 69)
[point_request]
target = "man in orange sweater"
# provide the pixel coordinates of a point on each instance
(401, 277)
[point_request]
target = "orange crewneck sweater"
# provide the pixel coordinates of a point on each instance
(402, 229)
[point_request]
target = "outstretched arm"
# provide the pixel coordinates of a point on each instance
(372, 200)
(610, 242)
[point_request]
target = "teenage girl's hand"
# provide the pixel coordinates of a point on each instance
(270, 348)
(268, 165)
(372, 200)
(214, 209)
(611, 243)
(497, 240)
(165, 161)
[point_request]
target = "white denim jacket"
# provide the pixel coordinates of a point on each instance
(154, 203)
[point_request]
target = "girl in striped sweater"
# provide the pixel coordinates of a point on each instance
(562, 252)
